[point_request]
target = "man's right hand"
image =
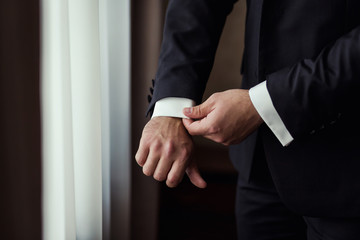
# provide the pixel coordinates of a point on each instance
(165, 152)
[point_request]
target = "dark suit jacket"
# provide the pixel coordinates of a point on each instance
(309, 53)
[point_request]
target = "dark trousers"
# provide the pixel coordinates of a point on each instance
(261, 215)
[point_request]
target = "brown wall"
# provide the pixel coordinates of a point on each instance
(147, 21)
(226, 70)
(20, 143)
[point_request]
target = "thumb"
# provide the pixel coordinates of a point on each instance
(198, 112)
(194, 175)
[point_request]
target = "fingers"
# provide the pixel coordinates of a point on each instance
(165, 150)
(177, 169)
(141, 154)
(162, 162)
(162, 169)
(151, 164)
(171, 171)
(194, 175)
(176, 174)
(200, 127)
(199, 111)
(166, 168)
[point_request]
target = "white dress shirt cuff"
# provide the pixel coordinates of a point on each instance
(172, 107)
(263, 104)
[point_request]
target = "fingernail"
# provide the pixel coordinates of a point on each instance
(187, 110)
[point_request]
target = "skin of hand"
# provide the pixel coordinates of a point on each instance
(165, 152)
(225, 117)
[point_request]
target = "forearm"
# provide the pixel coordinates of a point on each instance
(316, 91)
(191, 33)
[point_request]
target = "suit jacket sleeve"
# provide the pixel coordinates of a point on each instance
(191, 33)
(316, 92)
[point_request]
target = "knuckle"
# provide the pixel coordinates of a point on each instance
(184, 156)
(159, 176)
(140, 156)
(137, 157)
(187, 148)
(157, 146)
(186, 152)
(169, 147)
(198, 110)
(140, 161)
(172, 182)
(213, 130)
(147, 171)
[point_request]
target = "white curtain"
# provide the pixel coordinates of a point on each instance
(86, 118)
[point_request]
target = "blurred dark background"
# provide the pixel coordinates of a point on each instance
(190, 213)
(20, 143)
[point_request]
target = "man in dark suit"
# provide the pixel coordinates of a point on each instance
(293, 127)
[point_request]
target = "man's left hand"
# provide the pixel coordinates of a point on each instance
(225, 117)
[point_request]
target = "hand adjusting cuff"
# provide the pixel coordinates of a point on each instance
(172, 107)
